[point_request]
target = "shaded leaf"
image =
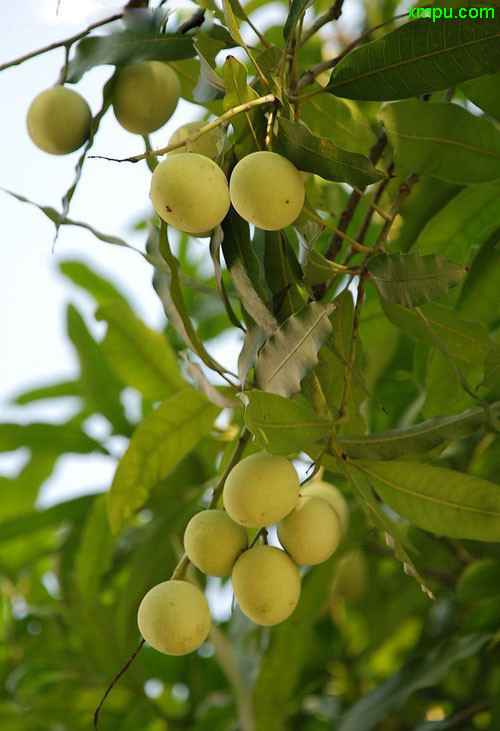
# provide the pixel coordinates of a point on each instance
(142, 358)
(55, 438)
(442, 140)
(292, 351)
(94, 552)
(157, 446)
(418, 438)
(62, 389)
(98, 287)
(320, 155)
(281, 425)
(418, 58)
(126, 48)
(329, 116)
(483, 93)
(255, 337)
(479, 580)
(465, 339)
(411, 279)
(221, 396)
(37, 520)
(443, 501)
(492, 368)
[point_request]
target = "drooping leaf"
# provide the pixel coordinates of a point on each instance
(220, 396)
(442, 140)
(465, 222)
(215, 245)
(165, 436)
(279, 265)
(255, 337)
(415, 439)
(443, 501)
(55, 438)
(281, 425)
(465, 340)
(292, 351)
(321, 156)
(244, 269)
(297, 8)
(125, 48)
(426, 671)
(61, 389)
(411, 279)
(480, 580)
(98, 287)
(483, 93)
(99, 384)
(37, 520)
(142, 358)
(492, 368)
(419, 58)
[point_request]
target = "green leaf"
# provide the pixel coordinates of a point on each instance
(465, 340)
(281, 425)
(321, 156)
(238, 92)
(317, 268)
(280, 265)
(36, 520)
(157, 446)
(57, 438)
(94, 552)
(480, 580)
(255, 337)
(442, 140)
(244, 269)
(483, 93)
(142, 358)
(419, 58)
(426, 671)
(465, 222)
(99, 384)
(127, 48)
(479, 295)
(393, 443)
(62, 389)
(292, 351)
(297, 8)
(98, 287)
(290, 646)
(215, 244)
(449, 503)
(492, 368)
(329, 116)
(232, 23)
(411, 279)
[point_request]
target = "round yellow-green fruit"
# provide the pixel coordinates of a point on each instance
(267, 190)
(261, 489)
(311, 532)
(351, 577)
(174, 617)
(58, 120)
(145, 96)
(266, 584)
(190, 192)
(213, 542)
(333, 497)
(207, 144)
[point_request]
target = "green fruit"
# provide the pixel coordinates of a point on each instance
(207, 144)
(261, 489)
(267, 190)
(213, 542)
(190, 192)
(174, 617)
(351, 576)
(145, 96)
(333, 497)
(266, 584)
(311, 532)
(58, 120)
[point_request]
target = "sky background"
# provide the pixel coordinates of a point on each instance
(110, 197)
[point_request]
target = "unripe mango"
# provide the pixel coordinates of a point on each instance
(267, 190)
(266, 584)
(207, 144)
(333, 497)
(311, 532)
(145, 96)
(58, 120)
(261, 489)
(190, 192)
(213, 542)
(174, 617)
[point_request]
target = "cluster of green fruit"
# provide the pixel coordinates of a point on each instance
(188, 189)
(260, 490)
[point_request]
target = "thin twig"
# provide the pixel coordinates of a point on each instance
(360, 236)
(240, 109)
(338, 232)
(116, 679)
(58, 44)
(332, 13)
